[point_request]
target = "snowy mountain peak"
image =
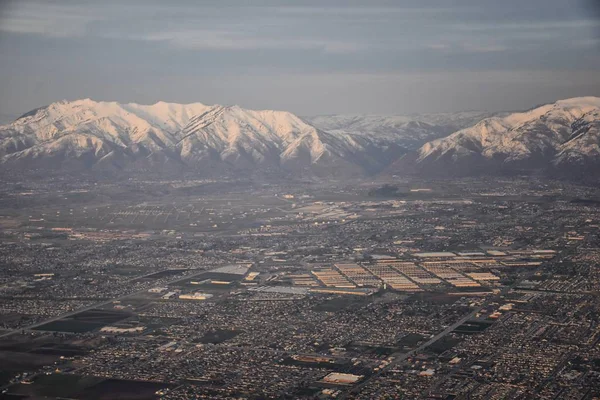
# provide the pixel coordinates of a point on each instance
(215, 139)
(102, 134)
(563, 133)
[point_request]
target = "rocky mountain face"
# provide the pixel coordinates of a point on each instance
(211, 140)
(217, 139)
(562, 138)
(86, 135)
(407, 131)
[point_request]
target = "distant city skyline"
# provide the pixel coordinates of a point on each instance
(310, 57)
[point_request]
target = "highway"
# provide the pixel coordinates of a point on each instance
(401, 357)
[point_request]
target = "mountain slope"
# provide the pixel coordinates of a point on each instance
(558, 137)
(109, 135)
(407, 131)
(86, 135)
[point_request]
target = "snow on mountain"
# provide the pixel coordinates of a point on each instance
(90, 134)
(583, 146)
(407, 131)
(85, 134)
(563, 134)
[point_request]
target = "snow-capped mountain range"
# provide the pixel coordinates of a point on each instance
(85, 134)
(562, 137)
(99, 136)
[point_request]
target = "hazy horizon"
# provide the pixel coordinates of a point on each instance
(316, 58)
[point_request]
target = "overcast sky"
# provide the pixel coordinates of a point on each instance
(308, 57)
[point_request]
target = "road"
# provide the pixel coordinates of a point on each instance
(401, 357)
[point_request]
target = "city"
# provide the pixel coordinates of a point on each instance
(308, 199)
(472, 289)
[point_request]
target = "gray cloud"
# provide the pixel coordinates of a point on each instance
(353, 55)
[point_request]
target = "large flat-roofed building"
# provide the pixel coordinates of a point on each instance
(483, 276)
(416, 274)
(438, 254)
(196, 296)
(115, 329)
(331, 277)
(393, 278)
(358, 275)
(235, 269)
(342, 379)
(281, 289)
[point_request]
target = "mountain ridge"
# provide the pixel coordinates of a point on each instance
(560, 135)
(112, 135)
(217, 140)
